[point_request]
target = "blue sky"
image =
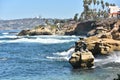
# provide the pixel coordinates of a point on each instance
(15, 9)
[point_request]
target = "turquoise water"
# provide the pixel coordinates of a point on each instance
(46, 58)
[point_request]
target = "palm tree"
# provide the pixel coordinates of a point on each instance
(98, 2)
(113, 4)
(106, 4)
(76, 17)
(102, 2)
(94, 1)
(85, 1)
(89, 2)
(103, 6)
(86, 10)
(99, 12)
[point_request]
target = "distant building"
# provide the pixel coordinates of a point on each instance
(114, 11)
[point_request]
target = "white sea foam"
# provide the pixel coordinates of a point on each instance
(65, 55)
(113, 58)
(37, 39)
(5, 33)
(3, 59)
(6, 36)
(57, 58)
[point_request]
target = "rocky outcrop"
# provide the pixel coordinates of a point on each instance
(82, 59)
(89, 28)
(38, 31)
(81, 28)
(104, 26)
(102, 43)
(115, 32)
(86, 48)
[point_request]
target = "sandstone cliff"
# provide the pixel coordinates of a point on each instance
(102, 43)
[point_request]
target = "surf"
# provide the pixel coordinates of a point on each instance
(37, 39)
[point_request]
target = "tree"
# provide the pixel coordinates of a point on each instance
(98, 2)
(103, 6)
(94, 1)
(76, 17)
(114, 4)
(94, 9)
(106, 4)
(89, 2)
(102, 2)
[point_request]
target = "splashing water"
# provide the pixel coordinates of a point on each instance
(65, 55)
(37, 39)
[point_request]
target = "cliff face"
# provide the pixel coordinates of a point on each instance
(88, 28)
(81, 28)
(103, 26)
(67, 29)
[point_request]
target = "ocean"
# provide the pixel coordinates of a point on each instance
(45, 57)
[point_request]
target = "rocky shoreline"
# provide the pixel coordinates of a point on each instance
(103, 39)
(102, 43)
(88, 28)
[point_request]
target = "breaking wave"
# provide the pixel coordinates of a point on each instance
(65, 55)
(37, 39)
(112, 58)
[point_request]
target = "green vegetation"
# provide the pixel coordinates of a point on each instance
(53, 26)
(76, 17)
(94, 9)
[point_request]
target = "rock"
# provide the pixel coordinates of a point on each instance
(85, 49)
(102, 48)
(98, 45)
(106, 35)
(103, 26)
(24, 32)
(89, 28)
(39, 31)
(118, 77)
(104, 41)
(82, 59)
(81, 28)
(115, 32)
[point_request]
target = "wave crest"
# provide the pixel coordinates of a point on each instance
(65, 55)
(38, 39)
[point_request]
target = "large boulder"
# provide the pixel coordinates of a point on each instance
(83, 59)
(98, 45)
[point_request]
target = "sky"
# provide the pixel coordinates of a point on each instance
(17, 9)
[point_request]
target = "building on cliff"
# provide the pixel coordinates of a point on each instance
(114, 11)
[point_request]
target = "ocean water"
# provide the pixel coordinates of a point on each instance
(46, 58)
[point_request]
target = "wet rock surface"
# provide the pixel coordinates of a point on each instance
(102, 43)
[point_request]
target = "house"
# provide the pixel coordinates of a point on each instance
(114, 11)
